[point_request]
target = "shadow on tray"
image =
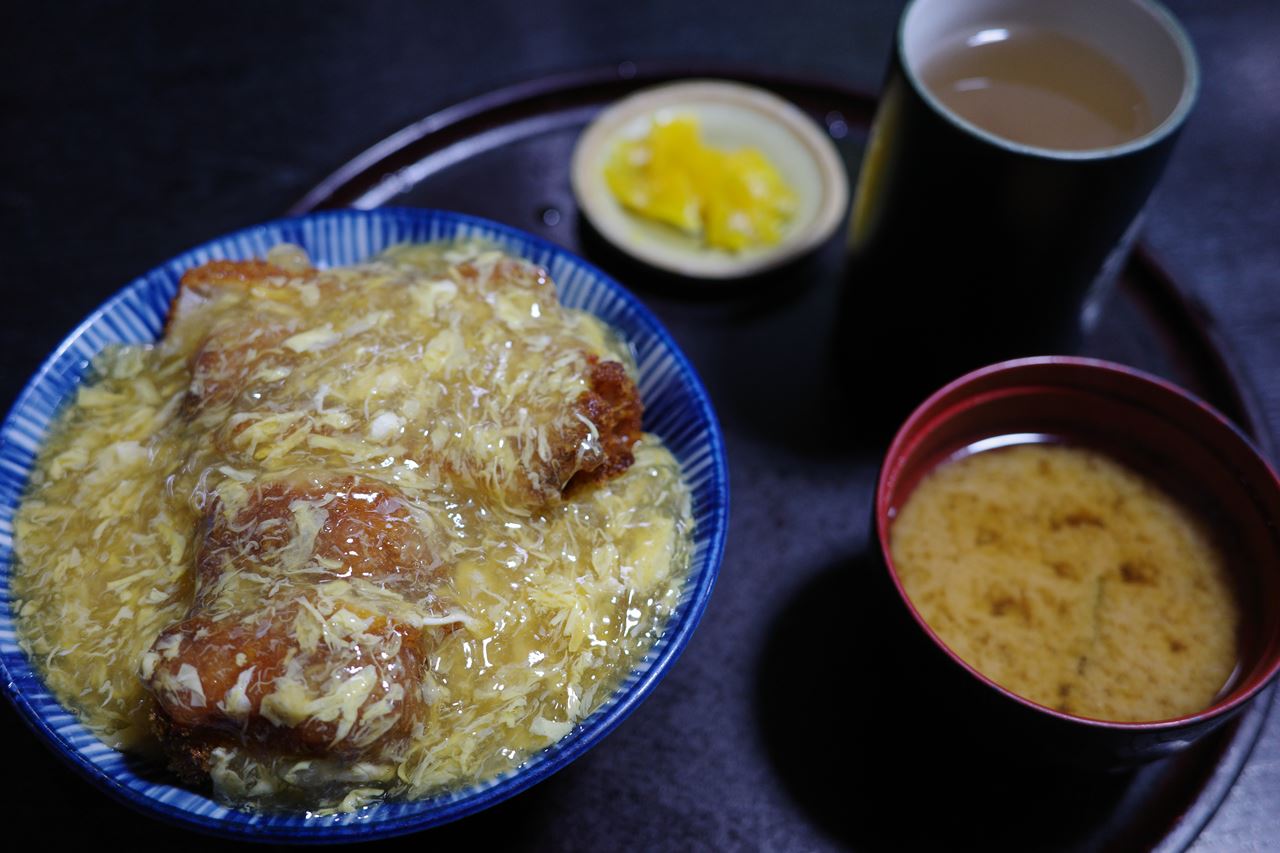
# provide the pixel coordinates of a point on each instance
(871, 756)
(790, 356)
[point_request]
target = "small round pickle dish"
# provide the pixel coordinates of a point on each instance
(797, 413)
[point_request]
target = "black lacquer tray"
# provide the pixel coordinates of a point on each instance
(780, 728)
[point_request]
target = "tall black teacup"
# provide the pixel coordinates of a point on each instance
(970, 246)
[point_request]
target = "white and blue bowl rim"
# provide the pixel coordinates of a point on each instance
(677, 408)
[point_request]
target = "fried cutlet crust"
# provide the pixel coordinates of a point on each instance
(367, 533)
(264, 643)
(613, 405)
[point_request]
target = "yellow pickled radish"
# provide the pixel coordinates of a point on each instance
(733, 200)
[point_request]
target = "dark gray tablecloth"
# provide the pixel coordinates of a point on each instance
(134, 131)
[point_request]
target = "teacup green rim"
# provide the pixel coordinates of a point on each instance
(1171, 123)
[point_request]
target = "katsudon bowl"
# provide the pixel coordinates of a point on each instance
(677, 409)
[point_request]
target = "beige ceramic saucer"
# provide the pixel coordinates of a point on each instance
(730, 115)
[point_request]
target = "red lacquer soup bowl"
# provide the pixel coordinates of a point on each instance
(1191, 450)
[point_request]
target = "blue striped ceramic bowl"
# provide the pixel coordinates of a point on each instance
(677, 408)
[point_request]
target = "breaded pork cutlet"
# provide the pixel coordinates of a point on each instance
(297, 641)
(580, 438)
(300, 639)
